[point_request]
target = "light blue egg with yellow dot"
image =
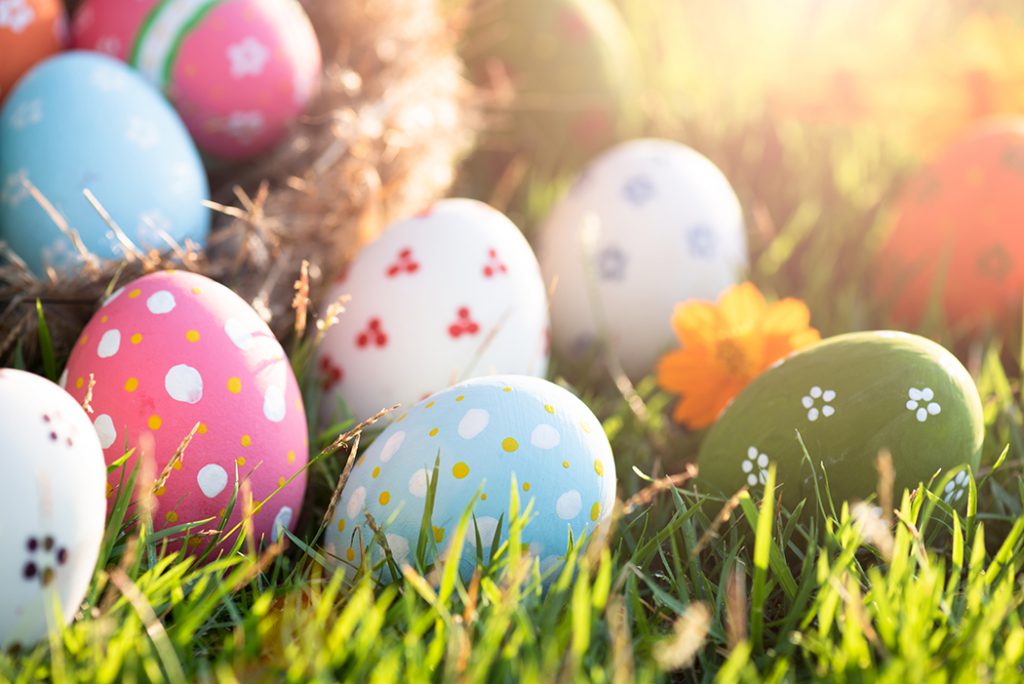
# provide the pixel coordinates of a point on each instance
(487, 435)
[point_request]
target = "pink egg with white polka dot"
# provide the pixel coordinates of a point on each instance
(175, 351)
(240, 72)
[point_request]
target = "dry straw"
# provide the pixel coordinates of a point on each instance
(381, 141)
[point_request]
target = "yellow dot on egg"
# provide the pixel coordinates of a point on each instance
(177, 464)
(201, 429)
(222, 512)
(526, 486)
(565, 464)
(234, 385)
(136, 338)
(160, 491)
(430, 405)
(281, 482)
(433, 432)
(197, 290)
(350, 554)
(402, 417)
(483, 497)
(134, 293)
(384, 498)
(110, 489)
(507, 389)
(246, 440)
(79, 381)
(131, 384)
(291, 457)
(104, 319)
(585, 427)
(438, 534)
(192, 336)
(595, 511)
(460, 470)
(460, 397)
(509, 444)
(376, 472)
(154, 422)
(193, 542)
(341, 525)
(549, 408)
(171, 517)
(240, 461)
(82, 340)
(599, 468)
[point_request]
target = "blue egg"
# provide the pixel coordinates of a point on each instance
(489, 435)
(82, 120)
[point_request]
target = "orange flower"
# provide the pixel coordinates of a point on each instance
(725, 346)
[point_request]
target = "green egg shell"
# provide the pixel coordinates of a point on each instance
(849, 397)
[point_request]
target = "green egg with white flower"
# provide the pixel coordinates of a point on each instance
(848, 399)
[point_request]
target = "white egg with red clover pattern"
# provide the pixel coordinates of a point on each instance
(647, 225)
(54, 507)
(849, 398)
(487, 435)
(452, 293)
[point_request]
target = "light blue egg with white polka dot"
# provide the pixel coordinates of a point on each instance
(84, 121)
(488, 435)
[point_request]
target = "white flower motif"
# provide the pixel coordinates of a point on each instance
(247, 57)
(108, 80)
(143, 133)
(27, 114)
(920, 402)
(14, 191)
(16, 15)
(955, 488)
(755, 465)
(812, 399)
(244, 126)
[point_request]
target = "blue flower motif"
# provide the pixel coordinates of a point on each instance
(638, 190)
(611, 263)
(701, 241)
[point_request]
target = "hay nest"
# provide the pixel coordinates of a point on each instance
(381, 141)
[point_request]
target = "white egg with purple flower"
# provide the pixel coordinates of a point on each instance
(487, 436)
(646, 225)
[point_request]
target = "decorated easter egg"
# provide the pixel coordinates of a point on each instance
(956, 242)
(649, 224)
(487, 435)
(240, 72)
(849, 398)
(83, 121)
(53, 508)
(450, 294)
(175, 351)
(574, 68)
(30, 31)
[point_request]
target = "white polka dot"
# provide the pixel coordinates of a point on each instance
(762, 460)
(109, 344)
(569, 504)
(273, 404)
(356, 501)
(751, 480)
(160, 302)
(747, 466)
(473, 423)
(391, 446)
(105, 429)
(242, 334)
(399, 547)
(418, 483)
(486, 525)
(184, 384)
(63, 381)
(545, 437)
(281, 521)
(113, 295)
(212, 479)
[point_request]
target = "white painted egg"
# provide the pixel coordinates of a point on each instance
(53, 509)
(483, 433)
(452, 293)
(648, 224)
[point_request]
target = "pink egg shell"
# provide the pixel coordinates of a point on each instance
(109, 26)
(173, 349)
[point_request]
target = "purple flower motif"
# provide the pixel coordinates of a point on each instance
(638, 190)
(611, 263)
(701, 241)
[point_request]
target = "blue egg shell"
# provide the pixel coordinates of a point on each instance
(484, 432)
(82, 120)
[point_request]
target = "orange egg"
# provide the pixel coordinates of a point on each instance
(30, 31)
(958, 240)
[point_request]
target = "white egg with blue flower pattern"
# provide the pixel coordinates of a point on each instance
(648, 224)
(84, 121)
(483, 433)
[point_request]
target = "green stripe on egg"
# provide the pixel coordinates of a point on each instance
(849, 398)
(160, 37)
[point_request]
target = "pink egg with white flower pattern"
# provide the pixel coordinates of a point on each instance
(240, 72)
(172, 351)
(450, 294)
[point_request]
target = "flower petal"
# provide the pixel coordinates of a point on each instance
(695, 323)
(786, 316)
(741, 306)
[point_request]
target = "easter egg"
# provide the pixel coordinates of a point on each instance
(30, 31)
(487, 435)
(83, 121)
(956, 241)
(53, 508)
(849, 398)
(450, 294)
(649, 224)
(173, 351)
(240, 72)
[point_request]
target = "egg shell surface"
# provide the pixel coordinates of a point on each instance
(850, 397)
(450, 294)
(30, 31)
(483, 432)
(649, 224)
(957, 239)
(53, 510)
(83, 121)
(240, 72)
(173, 349)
